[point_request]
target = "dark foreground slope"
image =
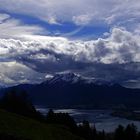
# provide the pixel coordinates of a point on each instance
(22, 128)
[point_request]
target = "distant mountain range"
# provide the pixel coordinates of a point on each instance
(69, 90)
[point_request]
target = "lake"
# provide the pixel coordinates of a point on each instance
(100, 118)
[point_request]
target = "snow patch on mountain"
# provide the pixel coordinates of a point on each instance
(73, 78)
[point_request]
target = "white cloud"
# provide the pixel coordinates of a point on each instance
(120, 47)
(48, 55)
(12, 73)
(82, 19)
(3, 17)
(94, 11)
(13, 28)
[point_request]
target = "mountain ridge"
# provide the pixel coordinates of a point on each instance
(73, 91)
(73, 78)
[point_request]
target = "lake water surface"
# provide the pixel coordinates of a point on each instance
(100, 118)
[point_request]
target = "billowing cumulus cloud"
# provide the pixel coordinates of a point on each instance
(120, 47)
(98, 58)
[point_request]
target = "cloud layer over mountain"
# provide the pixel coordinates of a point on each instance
(93, 58)
(28, 47)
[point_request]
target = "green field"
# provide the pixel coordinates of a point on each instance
(23, 127)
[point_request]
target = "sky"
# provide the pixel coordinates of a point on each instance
(93, 38)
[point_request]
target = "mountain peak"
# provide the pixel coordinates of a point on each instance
(73, 78)
(65, 77)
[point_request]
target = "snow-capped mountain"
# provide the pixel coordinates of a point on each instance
(72, 78)
(72, 90)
